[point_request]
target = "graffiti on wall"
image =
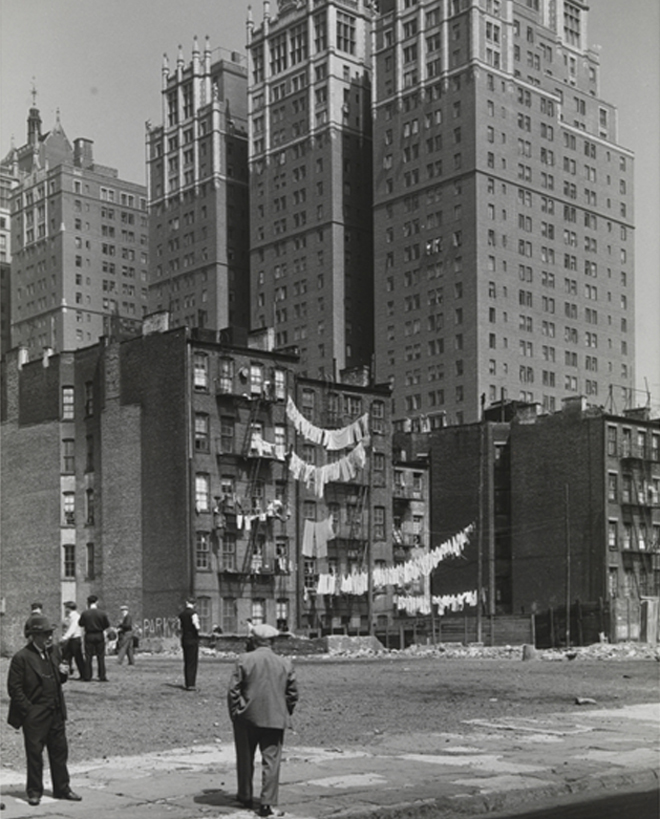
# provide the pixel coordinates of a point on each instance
(160, 627)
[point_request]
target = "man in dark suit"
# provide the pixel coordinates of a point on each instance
(190, 628)
(261, 697)
(34, 683)
(94, 622)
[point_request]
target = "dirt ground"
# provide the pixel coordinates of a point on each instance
(344, 700)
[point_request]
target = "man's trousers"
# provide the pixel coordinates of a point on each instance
(45, 727)
(269, 740)
(190, 660)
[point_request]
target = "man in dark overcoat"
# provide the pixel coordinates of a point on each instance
(34, 683)
(262, 695)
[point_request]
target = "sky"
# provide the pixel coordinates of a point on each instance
(99, 62)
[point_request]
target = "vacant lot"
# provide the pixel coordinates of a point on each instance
(343, 700)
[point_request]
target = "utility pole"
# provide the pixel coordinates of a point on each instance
(480, 539)
(567, 523)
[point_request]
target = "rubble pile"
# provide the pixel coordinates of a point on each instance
(369, 648)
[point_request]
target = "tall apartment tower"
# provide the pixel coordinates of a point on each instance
(198, 192)
(311, 181)
(503, 211)
(78, 244)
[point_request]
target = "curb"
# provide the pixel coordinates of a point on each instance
(513, 801)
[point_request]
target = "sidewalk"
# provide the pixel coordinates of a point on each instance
(499, 765)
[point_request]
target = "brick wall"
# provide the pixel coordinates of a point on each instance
(556, 452)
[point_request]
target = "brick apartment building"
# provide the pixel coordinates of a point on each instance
(160, 467)
(503, 210)
(198, 192)
(569, 497)
(78, 244)
(360, 510)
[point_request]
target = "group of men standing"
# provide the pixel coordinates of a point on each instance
(261, 696)
(89, 630)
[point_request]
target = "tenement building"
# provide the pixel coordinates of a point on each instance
(570, 510)
(503, 211)
(176, 464)
(310, 181)
(78, 244)
(198, 192)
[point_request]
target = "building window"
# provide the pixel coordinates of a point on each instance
(282, 613)
(345, 32)
(229, 615)
(352, 405)
(68, 456)
(90, 571)
(307, 403)
(311, 575)
(69, 508)
(379, 523)
(611, 441)
(202, 493)
(309, 510)
(280, 441)
(201, 371)
(202, 550)
(89, 511)
(256, 379)
(612, 539)
(69, 559)
(89, 459)
(280, 385)
(258, 611)
(229, 551)
(89, 398)
(201, 432)
(67, 403)
(377, 416)
(612, 486)
(225, 375)
(204, 611)
(227, 427)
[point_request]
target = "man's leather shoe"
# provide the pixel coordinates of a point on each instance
(33, 799)
(70, 795)
(246, 803)
(266, 810)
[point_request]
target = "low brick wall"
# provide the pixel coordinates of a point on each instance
(284, 644)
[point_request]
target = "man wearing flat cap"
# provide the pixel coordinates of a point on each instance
(34, 683)
(261, 697)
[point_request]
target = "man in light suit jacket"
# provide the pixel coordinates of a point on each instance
(34, 682)
(261, 697)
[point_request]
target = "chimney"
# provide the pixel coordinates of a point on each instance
(82, 153)
(47, 353)
(23, 357)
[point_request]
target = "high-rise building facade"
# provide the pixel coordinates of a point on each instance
(198, 193)
(7, 182)
(78, 243)
(503, 211)
(310, 181)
